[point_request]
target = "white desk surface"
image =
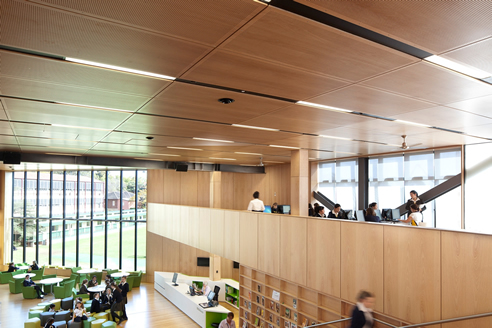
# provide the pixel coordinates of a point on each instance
(23, 275)
(119, 274)
(168, 276)
(85, 271)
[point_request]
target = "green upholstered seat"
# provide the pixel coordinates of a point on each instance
(98, 323)
(15, 285)
(74, 294)
(34, 314)
(5, 277)
(88, 322)
(137, 278)
(109, 324)
(57, 302)
(38, 308)
(38, 274)
(45, 304)
(102, 315)
(65, 290)
(130, 280)
(32, 323)
(29, 292)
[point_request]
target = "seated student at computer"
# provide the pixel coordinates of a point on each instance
(373, 205)
(415, 217)
(256, 205)
(319, 212)
(335, 213)
(274, 208)
(371, 215)
(206, 289)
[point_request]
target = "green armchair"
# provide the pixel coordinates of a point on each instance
(98, 274)
(64, 291)
(15, 286)
(76, 269)
(5, 277)
(130, 280)
(46, 276)
(29, 292)
(74, 277)
(75, 295)
(137, 278)
(39, 274)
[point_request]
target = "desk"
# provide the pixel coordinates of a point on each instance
(187, 303)
(85, 271)
(23, 267)
(50, 281)
(23, 275)
(97, 289)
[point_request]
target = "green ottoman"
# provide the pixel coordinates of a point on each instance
(109, 324)
(46, 305)
(34, 314)
(37, 308)
(102, 315)
(97, 323)
(57, 303)
(32, 323)
(87, 323)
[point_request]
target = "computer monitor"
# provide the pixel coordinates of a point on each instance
(175, 278)
(192, 291)
(387, 214)
(284, 209)
(210, 296)
(360, 215)
(395, 214)
(268, 209)
(378, 214)
(345, 214)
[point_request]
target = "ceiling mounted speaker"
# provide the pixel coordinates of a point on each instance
(11, 158)
(182, 168)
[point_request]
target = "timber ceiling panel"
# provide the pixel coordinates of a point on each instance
(435, 25)
(8, 140)
(483, 131)
(201, 103)
(282, 37)
(391, 128)
(201, 21)
(305, 119)
(252, 74)
(59, 32)
(444, 117)
(480, 106)
(185, 128)
(68, 94)
(27, 111)
(5, 128)
(371, 101)
(55, 143)
(3, 113)
(476, 55)
(69, 74)
(312, 142)
(102, 146)
(52, 150)
(432, 83)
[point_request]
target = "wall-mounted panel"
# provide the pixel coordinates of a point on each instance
(323, 256)
(193, 231)
(204, 227)
(184, 224)
(231, 235)
(293, 250)
(412, 273)
(361, 261)
(172, 187)
(248, 239)
(154, 247)
(217, 232)
(189, 191)
(269, 243)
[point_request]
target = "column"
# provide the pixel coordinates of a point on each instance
(299, 179)
(215, 270)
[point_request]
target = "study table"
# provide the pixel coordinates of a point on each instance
(180, 297)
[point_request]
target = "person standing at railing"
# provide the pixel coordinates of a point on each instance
(256, 205)
(362, 313)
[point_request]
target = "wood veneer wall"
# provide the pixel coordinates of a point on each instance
(229, 191)
(2, 220)
(417, 274)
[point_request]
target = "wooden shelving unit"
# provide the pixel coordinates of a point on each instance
(297, 305)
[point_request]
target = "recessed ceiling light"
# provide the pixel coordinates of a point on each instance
(413, 123)
(119, 68)
(310, 104)
(225, 159)
(457, 67)
(183, 148)
(333, 137)
(215, 140)
(241, 153)
(254, 127)
(95, 107)
(78, 127)
(173, 155)
(287, 147)
(226, 101)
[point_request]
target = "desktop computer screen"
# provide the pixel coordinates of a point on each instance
(360, 215)
(395, 214)
(175, 278)
(268, 209)
(284, 209)
(378, 214)
(210, 296)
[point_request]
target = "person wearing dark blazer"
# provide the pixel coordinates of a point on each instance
(107, 299)
(34, 266)
(29, 283)
(124, 292)
(319, 212)
(335, 213)
(414, 199)
(96, 304)
(117, 303)
(310, 210)
(362, 312)
(371, 215)
(83, 288)
(12, 267)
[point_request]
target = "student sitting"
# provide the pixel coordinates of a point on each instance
(52, 308)
(336, 211)
(371, 215)
(415, 217)
(34, 266)
(12, 268)
(319, 212)
(79, 313)
(83, 288)
(96, 304)
(107, 299)
(50, 324)
(92, 283)
(28, 283)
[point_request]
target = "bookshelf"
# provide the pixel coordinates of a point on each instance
(296, 306)
(232, 295)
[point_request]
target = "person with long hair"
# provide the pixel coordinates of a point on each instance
(50, 324)
(371, 215)
(117, 303)
(79, 313)
(362, 312)
(107, 299)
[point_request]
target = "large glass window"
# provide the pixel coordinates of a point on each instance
(69, 218)
(338, 182)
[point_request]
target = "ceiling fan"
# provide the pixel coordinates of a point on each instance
(404, 145)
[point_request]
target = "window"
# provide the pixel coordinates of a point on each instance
(74, 213)
(339, 182)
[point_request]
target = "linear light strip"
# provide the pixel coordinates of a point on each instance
(78, 127)
(413, 123)
(215, 140)
(242, 153)
(184, 148)
(287, 147)
(225, 159)
(254, 127)
(457, 67)
(94, 107)
(333, 137)
(119, 68)
(173, 155)
(336, 109)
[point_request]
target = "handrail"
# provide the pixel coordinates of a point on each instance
(475, 316)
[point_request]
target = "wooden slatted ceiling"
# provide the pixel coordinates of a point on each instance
(480, 105)
(47, 131)
(281, 37)
(196, 102)
(435, 26)
(477, 55)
